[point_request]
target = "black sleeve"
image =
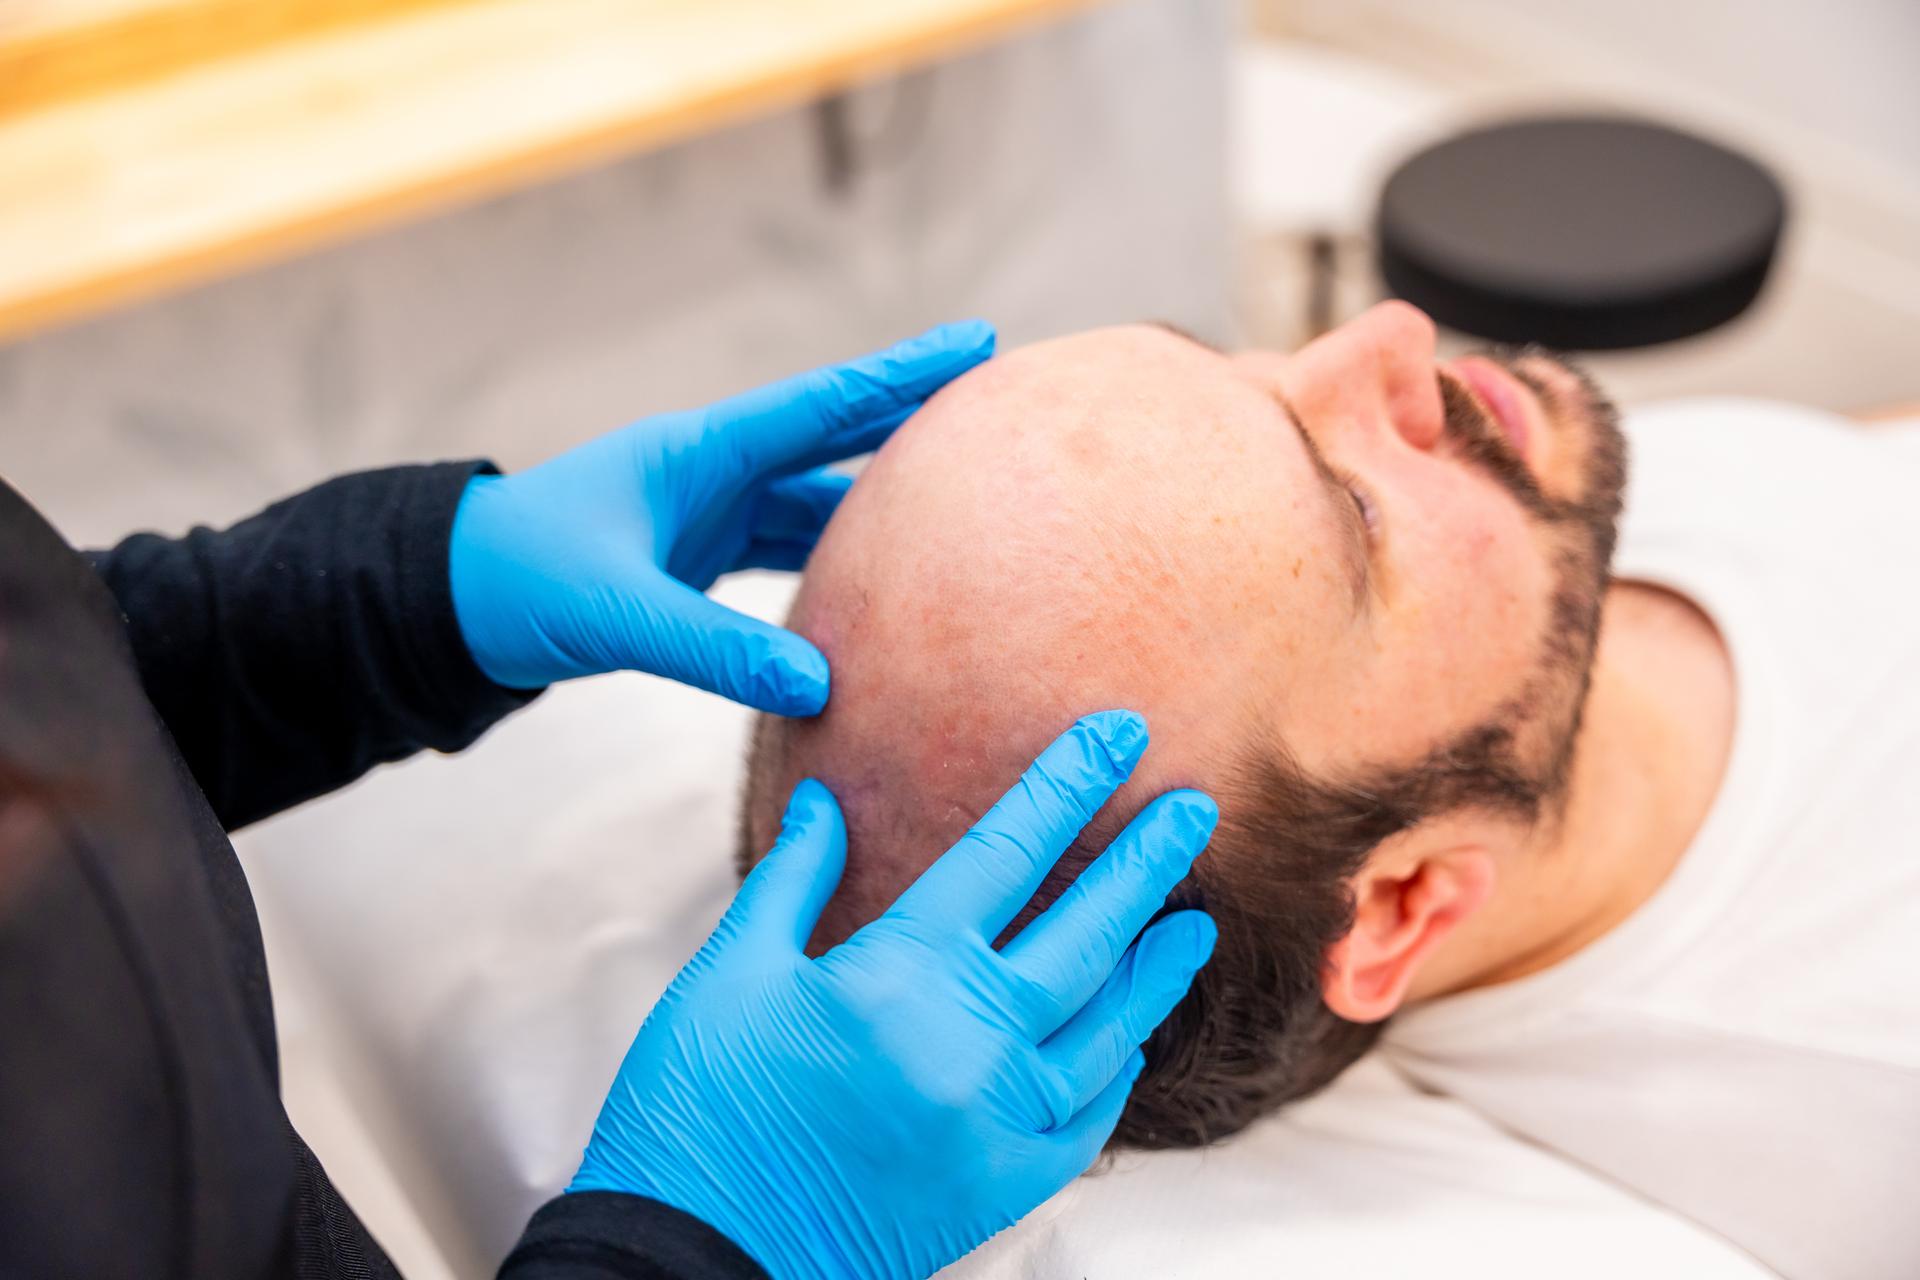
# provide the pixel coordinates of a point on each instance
(604, 1235)
(293, 652)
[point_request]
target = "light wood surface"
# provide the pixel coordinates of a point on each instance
(185, 169)
(52, 50)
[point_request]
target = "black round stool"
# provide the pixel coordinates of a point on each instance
(1581, 232)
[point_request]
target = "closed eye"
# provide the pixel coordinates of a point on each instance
(1363, 503)
(1358, 516)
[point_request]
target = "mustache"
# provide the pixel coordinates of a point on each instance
(1478, 440)
(1474, 436)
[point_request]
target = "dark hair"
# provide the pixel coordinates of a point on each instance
(1253, 1032)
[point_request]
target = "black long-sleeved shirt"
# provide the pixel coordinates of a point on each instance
(151, 701)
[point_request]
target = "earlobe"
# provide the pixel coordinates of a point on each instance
(1402, 913)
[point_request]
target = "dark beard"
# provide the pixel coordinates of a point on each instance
(1583, 529)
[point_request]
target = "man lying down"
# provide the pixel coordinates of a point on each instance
(1623, 861)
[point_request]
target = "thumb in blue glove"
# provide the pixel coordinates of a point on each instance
(598, 560)
(881, 1110)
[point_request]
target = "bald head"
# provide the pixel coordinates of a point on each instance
(1068, 528)
(1339, 600)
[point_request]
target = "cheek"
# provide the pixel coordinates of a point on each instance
(1479, 577)
(1460, 631)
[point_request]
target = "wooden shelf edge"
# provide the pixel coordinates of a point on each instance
(116, 284)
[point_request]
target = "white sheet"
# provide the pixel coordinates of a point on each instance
(1371, 1179)
(462, 949)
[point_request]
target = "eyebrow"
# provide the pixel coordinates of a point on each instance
(1356, 546)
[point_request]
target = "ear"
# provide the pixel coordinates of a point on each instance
(1405, 906)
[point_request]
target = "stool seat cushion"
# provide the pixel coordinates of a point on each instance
(1581, 232)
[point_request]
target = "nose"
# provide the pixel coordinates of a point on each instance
(1403, 342)
(1377, 367)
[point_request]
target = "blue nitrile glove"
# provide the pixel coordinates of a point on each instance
(882, 1109)
(597, 560)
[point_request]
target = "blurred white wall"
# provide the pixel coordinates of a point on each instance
(1837, 70)
(1843, 69)
(1823, 91)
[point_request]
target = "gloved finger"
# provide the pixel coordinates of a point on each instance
(1064, 956)
(983, 881)
(782, 897)
(1092, 1047)
(789, 517)
(1079, 1140)
(797, 508)
(702, 643)
(840, 410)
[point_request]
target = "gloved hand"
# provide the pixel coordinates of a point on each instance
(884, 1108)
(597, 560)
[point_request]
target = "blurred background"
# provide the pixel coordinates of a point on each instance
(247, 244)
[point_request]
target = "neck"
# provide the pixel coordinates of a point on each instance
(1652, 752)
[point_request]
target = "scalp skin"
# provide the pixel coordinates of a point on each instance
(1069, 528)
